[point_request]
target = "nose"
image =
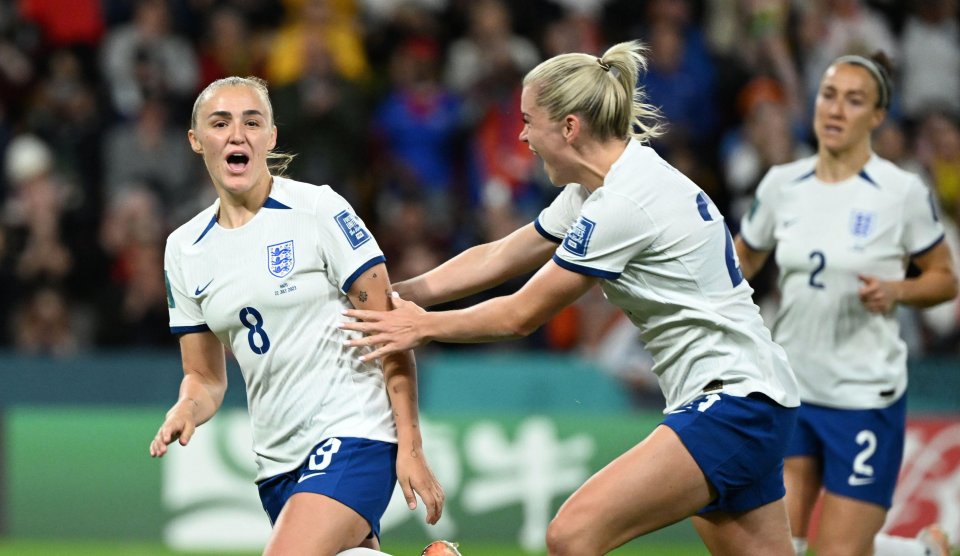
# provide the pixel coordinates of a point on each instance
(523, 134)
(236, 133)
(835, 108)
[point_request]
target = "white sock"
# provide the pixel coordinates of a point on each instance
(800, 546)
(361, 552)
(885, 545)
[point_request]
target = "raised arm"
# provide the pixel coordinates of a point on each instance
(751, 260)
(371, 291)
(201, 390)
(479, 268)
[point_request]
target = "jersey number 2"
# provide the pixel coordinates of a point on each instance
(255, 330)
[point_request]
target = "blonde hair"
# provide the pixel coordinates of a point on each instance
(277, 162)
(603, 91)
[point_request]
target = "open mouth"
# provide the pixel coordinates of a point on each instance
(237, 162)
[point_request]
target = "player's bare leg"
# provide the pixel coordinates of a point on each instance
(848, 526)
(654, 484)
(801, 476)
(763, 530)
(315, 524)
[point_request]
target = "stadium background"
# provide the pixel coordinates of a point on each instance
(409, 109)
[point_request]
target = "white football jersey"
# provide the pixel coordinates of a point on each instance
(826, 235)
(667, 259)
(272, 291)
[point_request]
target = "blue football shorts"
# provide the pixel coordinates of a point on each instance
(738, 442)
(357, 472)
(860, 450)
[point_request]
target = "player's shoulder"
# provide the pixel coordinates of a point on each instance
(301, 195)
(889, 177)
(792, 172)
(192, 230)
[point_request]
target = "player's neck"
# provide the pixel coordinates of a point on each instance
(596, 161)
(834, 167)
(236, 209)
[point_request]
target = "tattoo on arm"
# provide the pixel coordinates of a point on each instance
(363, 297)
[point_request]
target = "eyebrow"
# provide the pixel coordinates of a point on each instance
(225, 114)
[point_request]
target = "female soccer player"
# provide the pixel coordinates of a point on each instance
(844, 223)
(266, 271)
(660, 250)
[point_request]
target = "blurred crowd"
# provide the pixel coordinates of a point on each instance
(410, 109)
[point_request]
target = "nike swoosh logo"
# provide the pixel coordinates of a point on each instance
(853, 480)
(203, 289)
(309, 475)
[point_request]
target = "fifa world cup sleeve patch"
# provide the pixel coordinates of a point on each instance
(578, 236)
(171, 304)
(352, 228)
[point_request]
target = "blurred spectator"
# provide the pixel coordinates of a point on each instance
(43, 325)
(317, 21)
(322, 117)
(66, 111)
(939, 151)
(831, 28)
(891, 141)
(574, 32)
(33, 214)
(751, 39)
(680, 79)
(764, 140)
(133, 310)
(489, 47)
(144, 58)
(416, 129)
(930, 74)
(149, 149)
(19, 45)
(227, 47)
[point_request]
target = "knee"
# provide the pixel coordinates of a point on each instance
(565, 538)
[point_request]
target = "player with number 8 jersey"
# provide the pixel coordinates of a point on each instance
(266, 272)
(298, 256)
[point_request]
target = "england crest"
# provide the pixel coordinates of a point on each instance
(862, 223)
(280, 258)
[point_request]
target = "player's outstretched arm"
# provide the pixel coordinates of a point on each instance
(371, 291)
(503, 318)
(479, 268)
(201, 390)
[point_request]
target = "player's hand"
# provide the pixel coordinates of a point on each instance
(388, 331)
(878, 296)
(178, 425)
(415, 476)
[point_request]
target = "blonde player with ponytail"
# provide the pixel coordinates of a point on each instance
(658, 247)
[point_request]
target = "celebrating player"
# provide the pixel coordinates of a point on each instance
(844, 222)
(266, 271)
(660, 250)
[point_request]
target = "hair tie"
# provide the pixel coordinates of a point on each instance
(878, 72)
(604, 65)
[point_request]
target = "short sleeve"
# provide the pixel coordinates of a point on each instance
(610, 231)
(554, 221)
(922, 227)
(185, 313)
(347, 246)
(757, 226)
